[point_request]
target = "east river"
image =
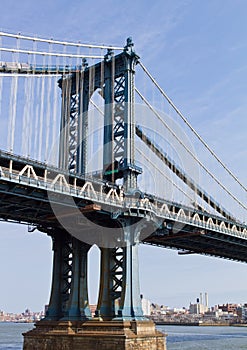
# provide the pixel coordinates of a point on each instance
(179, 337)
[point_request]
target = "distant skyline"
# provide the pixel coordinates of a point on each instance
(197, 52)
(199, 299)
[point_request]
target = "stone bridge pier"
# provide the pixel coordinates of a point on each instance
(118, 323)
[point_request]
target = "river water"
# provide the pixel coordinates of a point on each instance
(202, 338)
(179, 337)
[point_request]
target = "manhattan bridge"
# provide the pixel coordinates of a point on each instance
(93, 151)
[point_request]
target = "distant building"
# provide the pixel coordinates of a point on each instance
(197, 309)
(200, 307)
(230, 308)
(242, 312)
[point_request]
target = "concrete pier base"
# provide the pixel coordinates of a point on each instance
(94, 335)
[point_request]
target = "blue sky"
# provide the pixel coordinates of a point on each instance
(197, 51)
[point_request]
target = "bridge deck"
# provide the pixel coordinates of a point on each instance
(202, 242)
(29, 190)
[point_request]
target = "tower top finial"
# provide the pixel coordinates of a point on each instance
(129, 46)
(129, 41)
(84, 63)
(109, 55)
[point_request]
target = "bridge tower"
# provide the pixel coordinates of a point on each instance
(118, 322)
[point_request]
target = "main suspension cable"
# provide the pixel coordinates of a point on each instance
(43, 53)
(189, 151)
(58, 42)
(190, 126)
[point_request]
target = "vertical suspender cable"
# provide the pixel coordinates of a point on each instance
(54, 141)
(36, 128)
(81, 116)
(24, 118)
(63, 151)
(12, 111)
(29, 112)
(36, 82)
(41, 118)
(101, 129)
(31, 109)
(77, 94)
(91, 133)
(113, 110)
(48, 109)
(27, 115)
(13, 105)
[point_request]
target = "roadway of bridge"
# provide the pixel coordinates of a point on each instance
(30, 189)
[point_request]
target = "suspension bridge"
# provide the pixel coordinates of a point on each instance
(93, 151)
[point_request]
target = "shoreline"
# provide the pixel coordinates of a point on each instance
(200, 324)
(165, 323)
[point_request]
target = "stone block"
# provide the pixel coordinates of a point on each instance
(94, 335)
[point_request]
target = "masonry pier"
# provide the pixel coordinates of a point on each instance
(94, 335)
